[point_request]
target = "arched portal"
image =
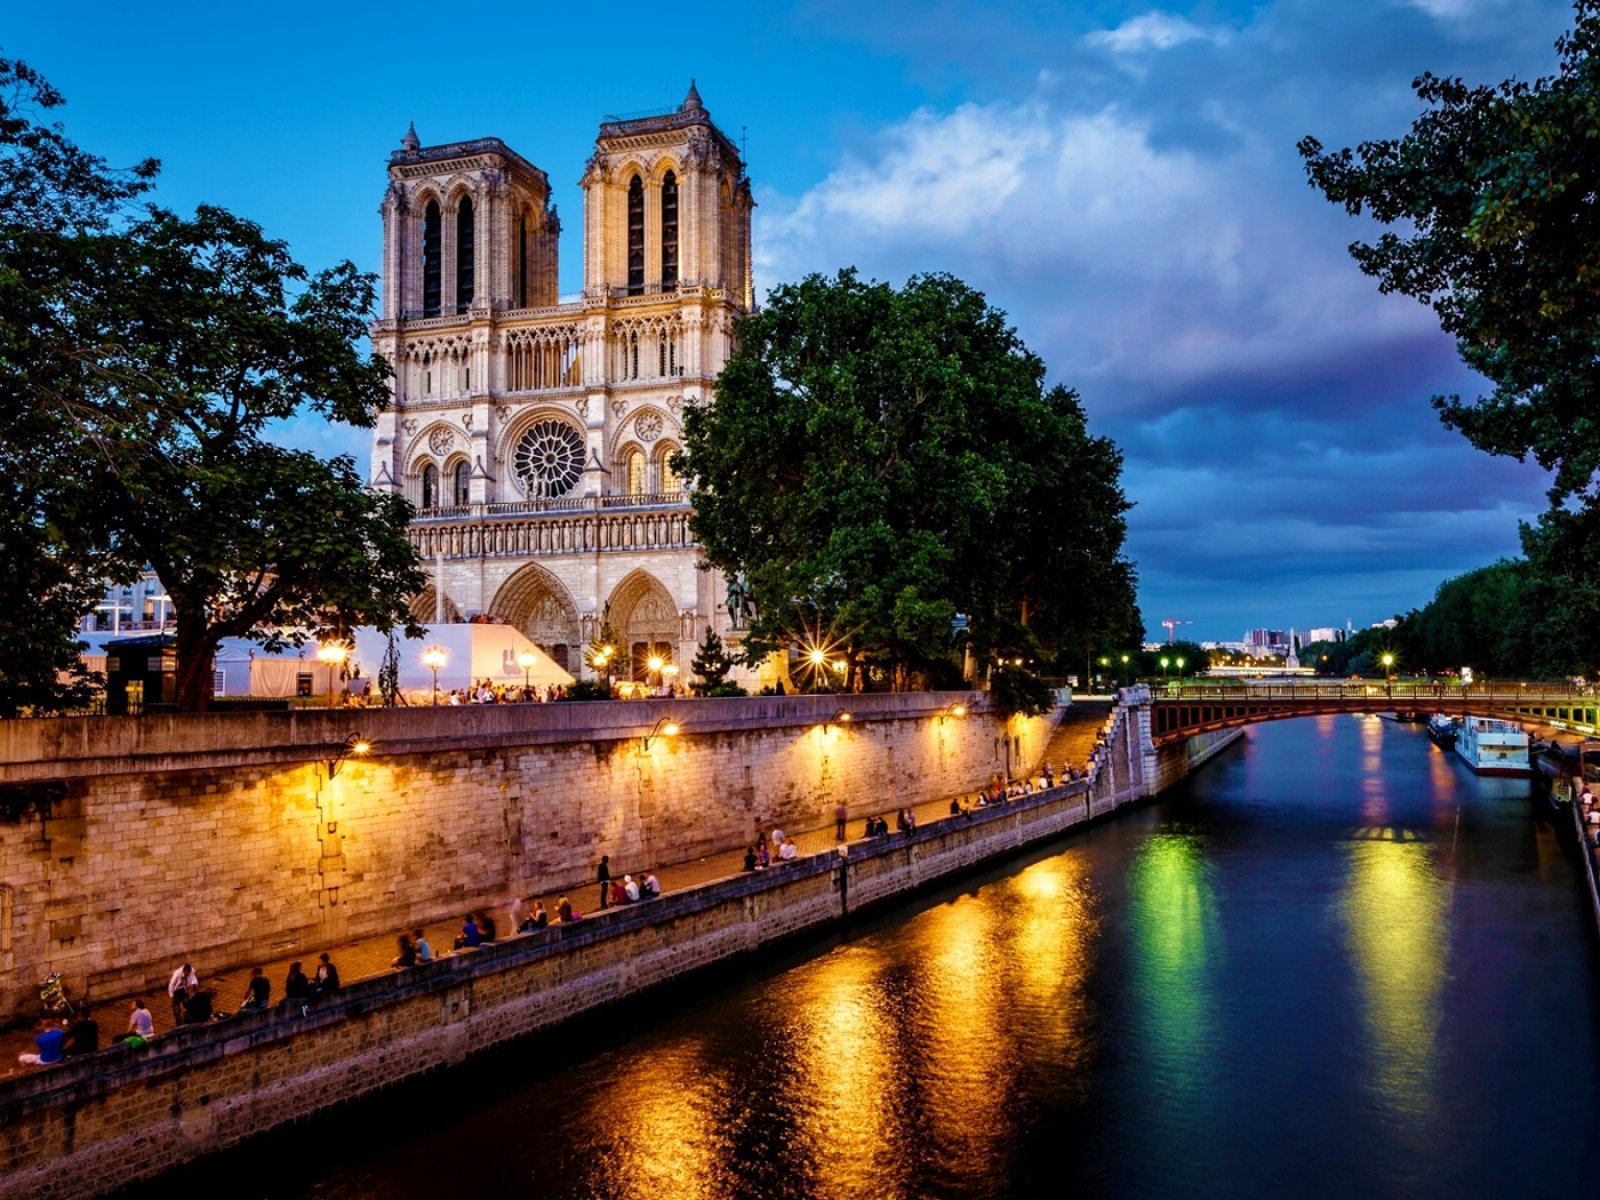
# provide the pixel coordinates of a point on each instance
(534, 601)
(423, 607)
(646, 620)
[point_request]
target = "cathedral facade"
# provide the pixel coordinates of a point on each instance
(535, 437)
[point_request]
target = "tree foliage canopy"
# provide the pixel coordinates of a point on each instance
(878, 461)
(143, 359)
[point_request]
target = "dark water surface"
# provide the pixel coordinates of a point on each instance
(1333, 964)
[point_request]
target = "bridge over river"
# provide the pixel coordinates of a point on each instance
(1181, 711)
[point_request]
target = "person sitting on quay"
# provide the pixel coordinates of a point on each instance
(141, 1025)
(630, 890)
(183, 984)
(470, 936)
(424, 950)
(650, 886)
(257, 993)
(750, 857)
(486, 927)
(327, 978)
(296, 986)
(537, 919)
(763, 858)
(50, 1040)
(200, 1008)
(1049, 777)
(565, 913)
(407, 956)
(618, 895)
(788, 852)
(83, 1035)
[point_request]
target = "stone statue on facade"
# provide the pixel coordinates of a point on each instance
(741, 606)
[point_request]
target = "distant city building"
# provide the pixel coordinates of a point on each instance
(1264, 643)
(1389, 624)
(1325, 633)
(139, 607)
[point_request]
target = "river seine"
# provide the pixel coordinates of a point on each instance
(1334, 963)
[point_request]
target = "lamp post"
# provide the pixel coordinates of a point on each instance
(526, 661)
(433, 658)
(1124, 670)
(1164, 661)
(1388, 673)
(1180, 667)
(332, 654)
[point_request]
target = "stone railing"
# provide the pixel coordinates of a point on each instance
(539, 534)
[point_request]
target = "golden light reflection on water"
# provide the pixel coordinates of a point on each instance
(1395, 910)
(1174, 912)
(664, 1139)
(844, 1073)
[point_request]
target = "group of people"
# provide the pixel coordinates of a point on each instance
(776, 847)
(64, 1038)
(626, 890)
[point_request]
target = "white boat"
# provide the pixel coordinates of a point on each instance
(1493, 747)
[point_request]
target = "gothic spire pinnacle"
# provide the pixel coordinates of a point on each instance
(691, 102)
(411, 141)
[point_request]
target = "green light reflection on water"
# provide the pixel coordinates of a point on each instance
(1174, 915)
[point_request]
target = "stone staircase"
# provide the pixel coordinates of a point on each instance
(1074, 738)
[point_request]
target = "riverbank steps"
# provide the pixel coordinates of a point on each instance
(92, 1125)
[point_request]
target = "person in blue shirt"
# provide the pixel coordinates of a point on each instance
(50, 1040)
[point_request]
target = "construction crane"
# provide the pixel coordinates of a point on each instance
(1171, 624)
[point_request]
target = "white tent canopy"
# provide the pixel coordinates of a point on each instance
(472, 652)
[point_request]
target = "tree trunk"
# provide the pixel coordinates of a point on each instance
(196, 651)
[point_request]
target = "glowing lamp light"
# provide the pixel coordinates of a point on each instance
(818, 657)
(656, 662)
(663, 728)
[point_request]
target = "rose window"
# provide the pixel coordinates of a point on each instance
(440, 440)
(548, 459)
(648, 426)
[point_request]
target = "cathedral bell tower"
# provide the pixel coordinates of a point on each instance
(667, 205)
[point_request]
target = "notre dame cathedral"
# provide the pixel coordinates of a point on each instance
(534, 437)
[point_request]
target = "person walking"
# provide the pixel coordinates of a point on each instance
(183, 984)
(841, 814)
(603, 877)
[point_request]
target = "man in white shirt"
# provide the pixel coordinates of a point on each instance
(183, 984)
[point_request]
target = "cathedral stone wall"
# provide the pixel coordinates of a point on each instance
(126, 845)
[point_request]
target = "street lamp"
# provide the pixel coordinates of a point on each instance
(332, 654)
(663, 728)
(526, 661)
(1124, 670)
(953, 710)
(655, 662)
(1163, 668)
(1180, 666)
(353, 746)
(434, 657)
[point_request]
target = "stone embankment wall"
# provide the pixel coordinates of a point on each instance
(90, 1126)
(127, 844)
(93, 1125)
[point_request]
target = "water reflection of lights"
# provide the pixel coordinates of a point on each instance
(844, 1071)
(1174, 913)
(1395, 910)
(665, 1132)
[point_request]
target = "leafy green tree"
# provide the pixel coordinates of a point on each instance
(57, 206)
(878, 461)
(1494, 190)
(711, 664)
(148, 367)
(605, 654)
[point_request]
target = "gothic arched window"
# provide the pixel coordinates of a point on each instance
(462, 475)
(638, 481)
(430, 486)
(465, 258)
(667, 480)
(669, 231)
(430, 260)
(636, 236)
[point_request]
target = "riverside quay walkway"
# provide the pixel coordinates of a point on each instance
(1180, 711)
(1073, 745)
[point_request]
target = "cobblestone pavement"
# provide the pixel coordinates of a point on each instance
(372, 956)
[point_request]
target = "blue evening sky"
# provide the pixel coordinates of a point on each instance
(1120, 178)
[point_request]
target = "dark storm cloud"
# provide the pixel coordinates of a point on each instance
(1124, 182)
